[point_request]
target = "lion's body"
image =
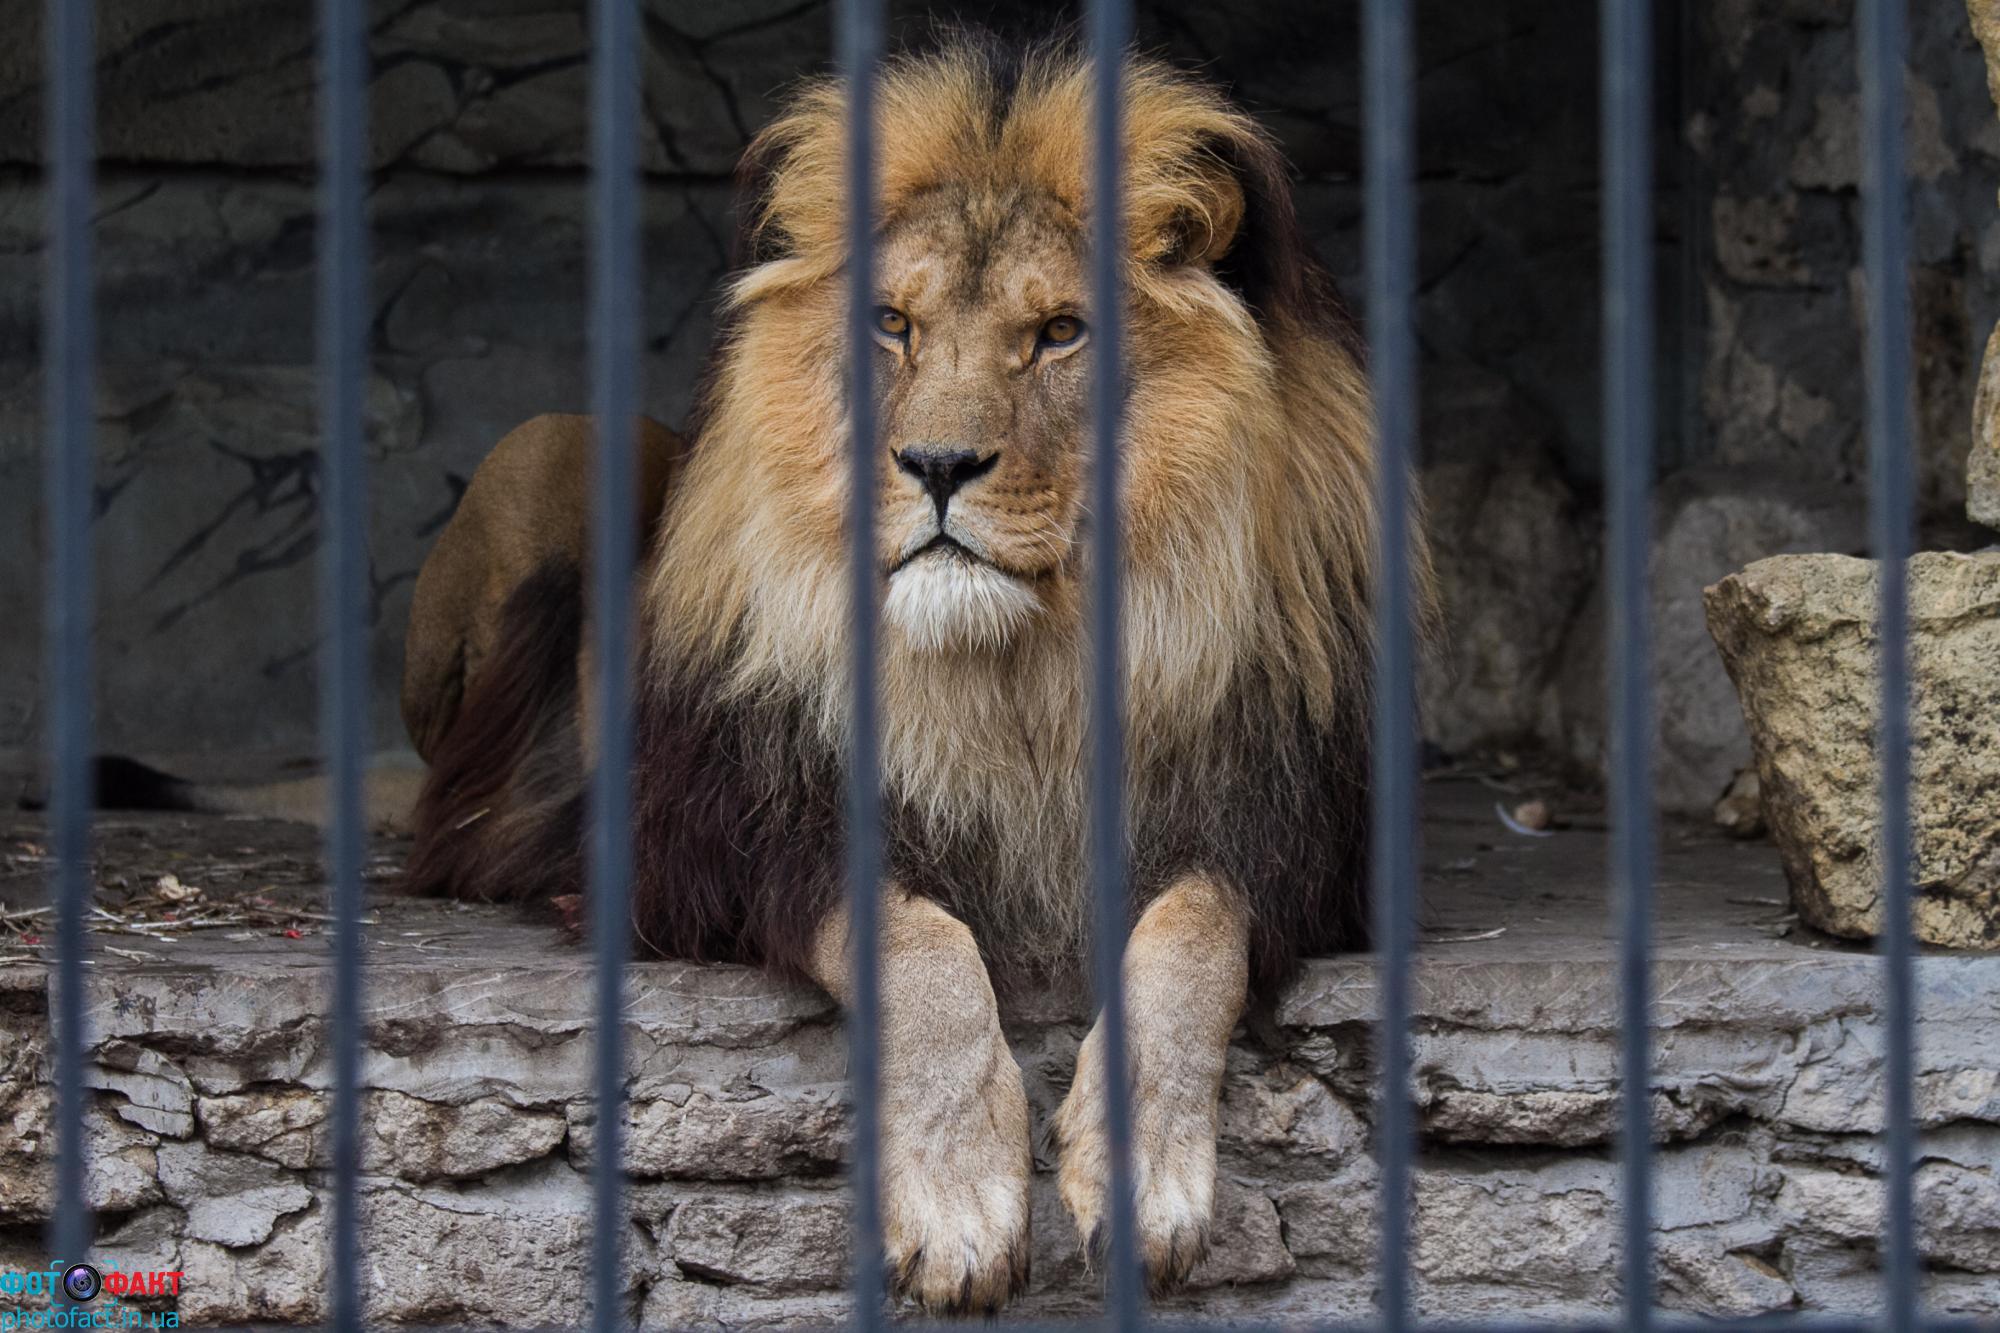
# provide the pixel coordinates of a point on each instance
(1248, 547)
(1248, 532)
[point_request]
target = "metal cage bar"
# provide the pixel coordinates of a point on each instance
(1390, 249)
(1626, 56)
(614, 371)
(343, 601)
(1885, 260)
(1110, 25)
(860, 38)
(68, 392)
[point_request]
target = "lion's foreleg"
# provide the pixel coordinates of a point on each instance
(955, 1155)
(1186, 976)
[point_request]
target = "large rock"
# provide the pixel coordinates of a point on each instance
(1710, 521)
(1512, 548)
(1798, 636)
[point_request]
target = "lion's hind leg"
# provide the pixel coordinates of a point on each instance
(491, 689)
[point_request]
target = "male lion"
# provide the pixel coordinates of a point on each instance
(1248, 539)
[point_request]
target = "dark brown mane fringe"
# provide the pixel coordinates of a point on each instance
(500, 818)
(1273, 264)
(737, 826)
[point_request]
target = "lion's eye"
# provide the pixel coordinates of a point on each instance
(892, 322)
(1062, 331)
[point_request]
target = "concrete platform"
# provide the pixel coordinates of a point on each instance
(210, 1059)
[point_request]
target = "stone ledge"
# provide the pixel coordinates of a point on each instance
(210, 1065)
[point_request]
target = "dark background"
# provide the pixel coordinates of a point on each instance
(207, 500)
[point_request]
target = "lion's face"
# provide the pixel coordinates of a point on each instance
(981, 370)
(1245, 479)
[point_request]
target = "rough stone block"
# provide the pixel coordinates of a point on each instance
(120, 1172)
(275, 1123)
(781, 1242)
(1982, 465)
(701, 1136)
(1797, 635)
(1711, 521)
(230, 1199)
(422, 1141)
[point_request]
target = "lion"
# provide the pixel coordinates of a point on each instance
(1249, 526)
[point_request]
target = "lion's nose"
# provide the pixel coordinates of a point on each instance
(943, 470)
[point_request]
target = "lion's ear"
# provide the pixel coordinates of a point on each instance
(1247, 230)
(1205, 215)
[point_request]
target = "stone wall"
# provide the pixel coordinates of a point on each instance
(207, 511)
(208, 1130)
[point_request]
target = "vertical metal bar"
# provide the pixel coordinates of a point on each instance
(614, 350)
(1626, 55)
(1885, 257)
(343, 599)
(860, 42)
(68, 391)
(1110, 31)
(1390, 240)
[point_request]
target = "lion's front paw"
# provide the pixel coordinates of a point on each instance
(1173, 1175)
(955, 1197)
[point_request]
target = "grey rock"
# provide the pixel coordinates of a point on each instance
(1982, 464)
(230, 1199)
(1246, 1244)
(157, 1095)
(1511, 556)
(1553, 1229)
(423, 1141)
(147, 1242)
(283, 1281)
(1330, 1225)
(1286, 1111)
(1699, 1277)
(120, 1172)
(1797, 635)
(1753, 240)
(1958, 1215)
(278, 1124)
(676, 1304)
(783, 1241)
(701, 1136)
(1568, 1118)
(1709, 524)
(514, 1251)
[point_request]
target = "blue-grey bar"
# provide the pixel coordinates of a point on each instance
(1626, 36)
(1110, 30)
(68, 380)
(1389, 242)
(1885, 259)
(860, 45)
(615, 284)
(343, 596)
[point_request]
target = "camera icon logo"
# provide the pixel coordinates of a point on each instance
(81, 1283)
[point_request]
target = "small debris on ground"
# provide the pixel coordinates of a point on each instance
(1530, 819)
(1740, 811)
(159, 878)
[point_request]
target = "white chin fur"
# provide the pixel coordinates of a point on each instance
(942, 602)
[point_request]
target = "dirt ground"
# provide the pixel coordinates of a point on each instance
(162, 877)
(182, 879)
